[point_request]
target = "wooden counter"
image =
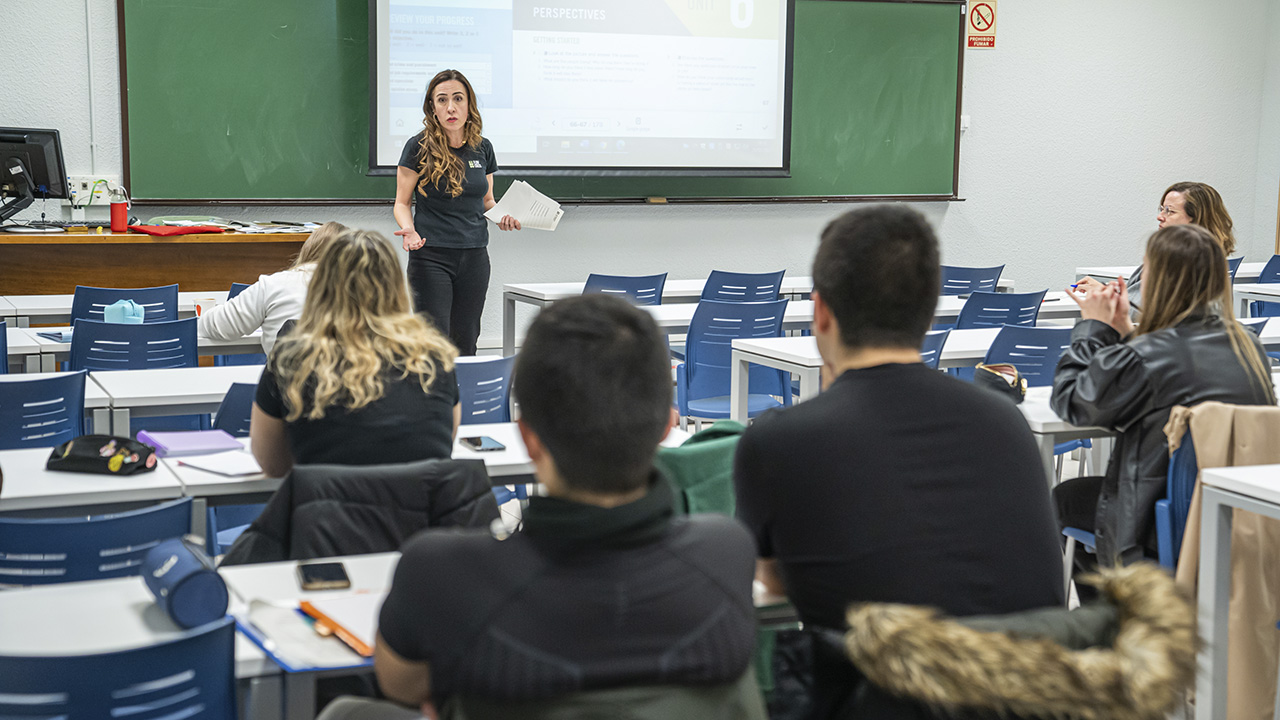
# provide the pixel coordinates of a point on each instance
(57, 262)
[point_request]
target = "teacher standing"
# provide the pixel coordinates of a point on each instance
(447, 172)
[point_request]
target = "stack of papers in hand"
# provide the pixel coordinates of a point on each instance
(532, 208)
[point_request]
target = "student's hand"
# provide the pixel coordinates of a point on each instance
(1086, 284)
(412, 240)
(1100, 303)
(429, 711)
(508, 223)
(1121, 320)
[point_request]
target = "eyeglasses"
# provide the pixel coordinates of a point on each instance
(1166, 210)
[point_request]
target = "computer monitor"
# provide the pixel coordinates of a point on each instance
(30, 167)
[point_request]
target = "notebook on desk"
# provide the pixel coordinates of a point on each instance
(55, 335)
(288, 636)
(181, 443)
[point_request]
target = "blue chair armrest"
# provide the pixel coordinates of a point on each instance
(682, 389)
(1164, 533)
(1083, 537)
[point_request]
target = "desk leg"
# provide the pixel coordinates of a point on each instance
(300, 696)
(31, 363)
(810, 383)
(738, 373)
(1215, 593)
(199, 517)
(508, 325)
(1045, 443)
(262, 697)
(22, 321)
(48, 363)
(1244, 308)
(102, 421)
(120, 422)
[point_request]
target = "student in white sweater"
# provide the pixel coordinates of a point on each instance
(273, 300)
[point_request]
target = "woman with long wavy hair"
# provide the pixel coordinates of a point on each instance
(444, 185)
(1187, 350)
(361, 380)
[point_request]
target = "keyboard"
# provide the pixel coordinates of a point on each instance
(55, 226)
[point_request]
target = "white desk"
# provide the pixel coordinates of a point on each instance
(1256, 489)
(170, 391)
(48, 309)
(1248, 272)
(28, 486)
(53, 352)
(541, 295)
(8, 312)
(1247, 292)
(24, 348)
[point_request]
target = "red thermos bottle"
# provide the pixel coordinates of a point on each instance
(119, 210)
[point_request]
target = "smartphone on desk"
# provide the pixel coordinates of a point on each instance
(323, 576)
(481, 443)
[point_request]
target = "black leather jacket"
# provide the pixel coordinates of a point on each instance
(1130, 386)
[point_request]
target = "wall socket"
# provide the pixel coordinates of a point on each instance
(79, 186)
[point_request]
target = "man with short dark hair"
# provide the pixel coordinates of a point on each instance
(898, 483)
(604, 588)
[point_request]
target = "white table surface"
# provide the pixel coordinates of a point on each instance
(251, 343)
(49, 308)
(191, 390)
(6, 309)
(1261, 482)
(1248, 272)
(94, 395)
(21, 341)
(671, 290)
(962, 348)
(28, 485)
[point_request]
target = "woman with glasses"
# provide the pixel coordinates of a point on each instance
(1183, 203)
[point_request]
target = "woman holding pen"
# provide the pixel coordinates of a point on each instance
(444, 185)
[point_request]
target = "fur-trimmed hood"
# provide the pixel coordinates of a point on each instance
(912, 652)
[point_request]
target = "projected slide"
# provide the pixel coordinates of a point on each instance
(621, 84)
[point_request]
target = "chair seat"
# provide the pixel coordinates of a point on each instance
(718, 407)
(1081, 536)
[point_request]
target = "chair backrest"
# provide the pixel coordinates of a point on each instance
(639, 289)
(43, 551)
(1271, 271)
(989, 309)
(958, 280)
(41, 412)
(1233, 265)
(1033, 350)
(931, 350)
(743, 287)
(236, 409)
(107, 346)
(192, 675)
(1180, 484)
(714, 327)
(160, 303)
(236, 289)
(4, 347)
(1255, 324)
(484, 389)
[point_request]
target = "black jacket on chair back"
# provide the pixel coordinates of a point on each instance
(1130, 386)
(328, 510)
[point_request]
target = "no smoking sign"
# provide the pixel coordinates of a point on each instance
(981, 25)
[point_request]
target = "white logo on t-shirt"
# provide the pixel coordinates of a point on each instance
(475, 164)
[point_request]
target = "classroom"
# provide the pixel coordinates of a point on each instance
(1069, 128)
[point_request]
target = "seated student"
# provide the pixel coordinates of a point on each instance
(361, 380)
(606, 589)
(1184, 353)
(273, 300)
(898, 483)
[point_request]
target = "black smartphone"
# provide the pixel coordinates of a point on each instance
(482, 443)
(323, 576)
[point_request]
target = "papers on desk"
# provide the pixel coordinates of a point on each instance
(352, 618)
(533, 209)
(237, 463)
(289, 638)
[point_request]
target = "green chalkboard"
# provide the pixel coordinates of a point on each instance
(254, 99)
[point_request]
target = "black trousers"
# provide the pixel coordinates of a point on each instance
(449, 287)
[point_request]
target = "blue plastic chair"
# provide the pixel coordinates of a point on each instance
(225, 523)
(702, 381)
(236, 409)
(1233, 266)
(639, 289)
(743, 287)
(241, 358)
(1035, 351)
(958, 280)
(484, 389)
(931, 350)
(97, 345)
(190, 676)
(4, 347)
(45, 551)
(1270, 274)
(41, 412)
(160, 303)
(1172, 512)
(989, 309)
(1256, 324)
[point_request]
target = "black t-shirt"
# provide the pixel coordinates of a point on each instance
(404, 425)
(901, 484)
(584, 598)
(453, 222)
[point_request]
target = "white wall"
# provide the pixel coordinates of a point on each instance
(1082, 114)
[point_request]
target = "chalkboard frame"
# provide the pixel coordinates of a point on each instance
(314, 202)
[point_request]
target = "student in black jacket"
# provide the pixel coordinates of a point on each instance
(1188, 350)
